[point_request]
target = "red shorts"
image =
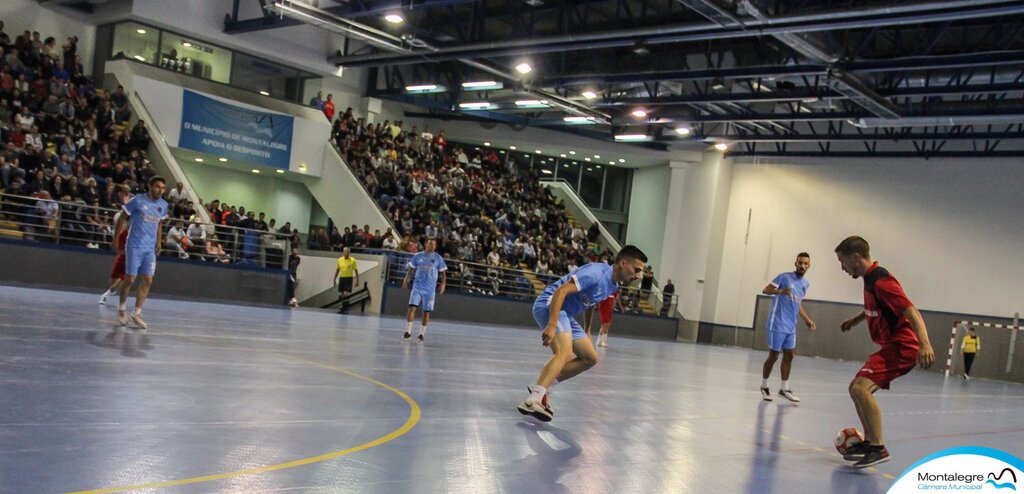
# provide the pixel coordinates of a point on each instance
(605, 309)
(118, 270)
(885, 365)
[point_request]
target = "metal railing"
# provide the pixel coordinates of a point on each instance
(518, 284)
(39, 219)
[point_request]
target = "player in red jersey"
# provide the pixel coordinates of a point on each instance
(117, 275)
(896, 326)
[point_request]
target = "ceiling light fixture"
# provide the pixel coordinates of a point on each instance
(481, 85)
(721, 146)
(140, 58)
(394, 18)
(279, 171)
(222, 160)
(572, 152)
(512, 148)
(255, 171)
(537, 151)
(477, 105)
(532, 103)
(682, 131)
(424, 88)
(524, 68)
(264, 93)
(140, 31)
(579, 120)
(639, 113)
(199, 160)
(487, 144)
(633, 138)
(589, 94)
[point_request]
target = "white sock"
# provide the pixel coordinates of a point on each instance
(537, 393)
(408, 327)
(105, 294)
(122, 307)
(764, 383)
(785, 385)
(552, 385)
(138, 311)
(423, 330)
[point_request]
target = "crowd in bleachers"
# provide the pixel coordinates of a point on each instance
(481, 207)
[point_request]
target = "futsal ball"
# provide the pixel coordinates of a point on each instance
(847, 438)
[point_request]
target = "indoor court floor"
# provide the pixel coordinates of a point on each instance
(223, 398)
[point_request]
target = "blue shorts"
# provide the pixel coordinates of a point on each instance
(781, 341)
(140, 261)
(422, 299)
(566, 324)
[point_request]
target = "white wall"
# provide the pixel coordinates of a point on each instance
(950, 230)
(281, 199)
(647, 212)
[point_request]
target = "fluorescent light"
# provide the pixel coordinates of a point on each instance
(255, 170)
(589, 94)
(140, 31)
(639, 113)
(534, 103)
(546, 172)
(199, 160)
(597, 156)
(682, 131)
(524, 68)
(579, 120)
(611, 162)
(264, 93)
(481, 85)
(394, 18)
(721, 146)
(279, 171)
(633, 137)
(561, 155)
(586, 159)
(222, 160)
(572, 152)
(622, 160)
(476, 105)
(537, 151)
(487, 144)
(512, 148)
(140, 58)
(187, 44)
(424, 88)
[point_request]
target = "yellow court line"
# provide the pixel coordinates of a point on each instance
(414, 418)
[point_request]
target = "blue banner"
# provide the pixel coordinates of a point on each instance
(234, 132)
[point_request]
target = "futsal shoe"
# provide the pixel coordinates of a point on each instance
(787, 394)
(873, 457)
(420, 337)
(103, 300)
(766, 394)
(547, 405)
(137, 319)
(407, 336)
(857, 451)
(536, 409)
(122, 317)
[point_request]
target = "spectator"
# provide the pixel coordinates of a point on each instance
(328, 107)
(176, 241)
(317, 101)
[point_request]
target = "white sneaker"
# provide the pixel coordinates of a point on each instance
(103, 300)
(137, 319)
(536, 409)
(766, 394)
(122, 317)
(603, 342)
(787, 394)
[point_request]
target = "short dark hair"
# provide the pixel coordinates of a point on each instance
(854, 245)
(631, 252)
(157, 178)
(803, 254)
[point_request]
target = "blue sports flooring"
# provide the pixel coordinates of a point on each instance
(220, 398)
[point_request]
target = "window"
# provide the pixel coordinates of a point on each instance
(590, 184)
(569, 170)
(133, 40)
(195, 58)
(256, 74)
(616, 189)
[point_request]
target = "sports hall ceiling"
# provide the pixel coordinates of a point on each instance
(765, 77)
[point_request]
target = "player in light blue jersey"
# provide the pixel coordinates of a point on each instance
(143, 213)
(555, 311)
(788, 291)
(424, 268)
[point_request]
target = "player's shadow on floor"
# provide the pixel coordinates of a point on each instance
(847, 480)
(553, 451)
(128, 342)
